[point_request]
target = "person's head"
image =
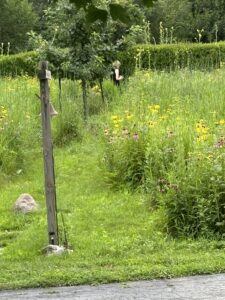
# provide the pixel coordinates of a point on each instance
(116, 64)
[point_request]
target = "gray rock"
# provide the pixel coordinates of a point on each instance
(55, 249)
(25, 204)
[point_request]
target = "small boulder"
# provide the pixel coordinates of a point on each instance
(53, 249)
(56, 250)
(25, 204)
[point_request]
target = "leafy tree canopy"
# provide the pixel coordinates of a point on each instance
(95, 11)
(16, 19)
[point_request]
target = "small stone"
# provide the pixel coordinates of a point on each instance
(25, 204)
(53, 249)
(56, 250)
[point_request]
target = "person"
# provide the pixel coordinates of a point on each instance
(115, 75)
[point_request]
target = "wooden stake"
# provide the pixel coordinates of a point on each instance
(50, 191)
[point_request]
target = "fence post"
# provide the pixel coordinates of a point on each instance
(50, 191)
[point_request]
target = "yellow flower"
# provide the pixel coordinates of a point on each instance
(202, 138)
(163, 117)
(154, 108)
(151, 124)
(201, 128)
(129, 116)
(114, 118)
(106, 131)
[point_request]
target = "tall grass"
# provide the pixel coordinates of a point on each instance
(163, 135)
(167, 138)
(20, 121)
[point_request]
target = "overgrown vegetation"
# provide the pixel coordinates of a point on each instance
(169, 141)
(158, 144)
(140, 179)
(20, 119)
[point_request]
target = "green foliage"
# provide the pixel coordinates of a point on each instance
(114, 10)
(172, 57)
(19, 64)
(11, 148)
(124, 170)
(148, 2)
(111, 92)
(20, 122)
(94, 14)
(127, 61)
(16, 19)
(68, 126)
(127, 238)
(196, 206)
(118, 12)
(168, 140)
(191, 18)
(176, 56)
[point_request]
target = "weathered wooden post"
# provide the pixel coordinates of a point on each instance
(50, 191)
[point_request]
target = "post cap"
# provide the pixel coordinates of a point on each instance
(43, 72)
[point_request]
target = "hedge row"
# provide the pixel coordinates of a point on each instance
(19, 64)
(156, 57)
(175, 56)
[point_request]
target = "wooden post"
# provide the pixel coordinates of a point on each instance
(50, 190)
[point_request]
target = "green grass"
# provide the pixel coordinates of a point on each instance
(115, 234)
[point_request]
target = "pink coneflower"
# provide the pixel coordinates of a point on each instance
(135, 136)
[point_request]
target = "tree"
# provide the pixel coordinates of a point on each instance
(16, 19)
(39, 7)
(103, 10)
(209, 16)
(191, 20)
(92, 44)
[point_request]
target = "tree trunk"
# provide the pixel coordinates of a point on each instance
(85, 104)
(102, 92)
(60, 94)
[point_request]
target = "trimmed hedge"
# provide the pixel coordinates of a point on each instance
(27, 63)
(178, 56)
(127, 62)
(19, 64)
(156, 57)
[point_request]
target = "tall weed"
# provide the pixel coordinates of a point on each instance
(20, 121)
(167, 137)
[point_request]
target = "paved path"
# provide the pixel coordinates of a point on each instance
(188, 288)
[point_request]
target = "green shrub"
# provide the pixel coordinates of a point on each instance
(156, 57)
(176, 56)
(11, 148)
(19, 64)
(67, 125)
(67, 128)
(125, 162)
(196, 206)
(111, 92)
(127, 62)
(166, 149)
(180, 170)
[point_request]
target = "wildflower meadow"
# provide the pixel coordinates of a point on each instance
(140, 184)
(168, 141)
